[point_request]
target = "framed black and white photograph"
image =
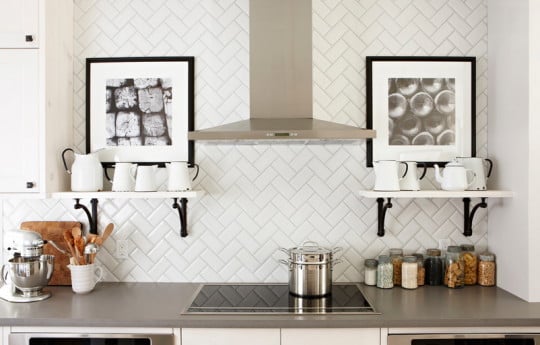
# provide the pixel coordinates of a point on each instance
(423, 108)
(140, 109)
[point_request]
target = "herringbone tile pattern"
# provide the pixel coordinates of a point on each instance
(260, 198)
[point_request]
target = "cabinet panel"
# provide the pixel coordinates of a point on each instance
(230, 336)
(19, 19)
(19, 120)
(335, 336)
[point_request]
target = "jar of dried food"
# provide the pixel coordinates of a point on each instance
(471, 264)
(409, 272)
(385, 279)
(421, 275)
(370, 272)
(454, 266)
(486, 269)
(433, 266)
(396, 257)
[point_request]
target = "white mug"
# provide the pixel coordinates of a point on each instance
(179, 179)
(124, 177)
(145, 180)
(387, 175)
(477, 166)
(85, 277)
(410, 180)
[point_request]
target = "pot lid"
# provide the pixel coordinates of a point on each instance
(310, 248)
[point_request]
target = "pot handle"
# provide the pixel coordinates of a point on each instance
(336, 261)
(307, 244)
(285, 262)
(284, 250)
(337, 250)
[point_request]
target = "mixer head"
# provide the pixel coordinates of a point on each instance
(23, 242)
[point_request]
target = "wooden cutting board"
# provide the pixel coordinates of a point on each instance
(54, 231)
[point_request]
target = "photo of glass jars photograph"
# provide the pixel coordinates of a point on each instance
(421, 111)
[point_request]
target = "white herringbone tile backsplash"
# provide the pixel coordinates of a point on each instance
(260, 198)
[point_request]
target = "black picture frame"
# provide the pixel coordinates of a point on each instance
(390, 81)
(170, 77)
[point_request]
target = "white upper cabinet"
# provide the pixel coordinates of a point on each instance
(36, 95)
(19, 23)
(19, 120)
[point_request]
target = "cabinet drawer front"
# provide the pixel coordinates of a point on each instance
(230, 336)
(326, 336)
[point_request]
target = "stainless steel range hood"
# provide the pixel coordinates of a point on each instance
(281, 86)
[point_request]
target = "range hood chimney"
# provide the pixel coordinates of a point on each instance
(281, 86)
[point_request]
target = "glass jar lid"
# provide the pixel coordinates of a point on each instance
(453, 249)
(370, 263)
(410, 259)
(384, 259)
(433, 252)
(487, 256)
(467, 247)
(396, 251)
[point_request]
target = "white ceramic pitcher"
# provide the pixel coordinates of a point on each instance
(411, 181)
(179, 179)
(145, 179)
(124, 177)
(387, 175)
(86, 172)
(477, 165)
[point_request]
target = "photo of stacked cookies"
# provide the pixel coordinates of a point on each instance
(138, 111)
(421, 111)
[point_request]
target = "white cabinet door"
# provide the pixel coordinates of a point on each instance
(230, 336)
(19, 120)
(19, 23)
(335, 336)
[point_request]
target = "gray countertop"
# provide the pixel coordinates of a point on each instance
(161, 305)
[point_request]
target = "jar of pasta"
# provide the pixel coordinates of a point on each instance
(421, 275)
(396, 257)
(471, 264)
(454, 272)
(486, 269)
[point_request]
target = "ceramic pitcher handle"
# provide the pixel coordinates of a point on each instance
(490, 166)
(423, 164)
(197, 172)
(107, 174)
(64, 159)
(98, 273)
(406, 169)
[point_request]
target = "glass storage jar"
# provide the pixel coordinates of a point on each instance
(433, 266)
(421, 275)
(486, 269)
(396, 257)
(385, 279)
(454, 266)
(409, 272)
(370, 272)
(471, 264)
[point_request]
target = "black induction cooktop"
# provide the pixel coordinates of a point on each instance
(275, 298)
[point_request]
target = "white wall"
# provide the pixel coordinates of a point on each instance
(259, 198)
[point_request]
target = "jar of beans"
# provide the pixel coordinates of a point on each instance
(396, 257)
(486, 269)
(434, 267)
(471, 264)
(385, 279)
(454, 265)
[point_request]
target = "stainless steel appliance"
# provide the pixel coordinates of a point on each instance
(275, 298)
(464, 339)
(89, 339)
(28, 270)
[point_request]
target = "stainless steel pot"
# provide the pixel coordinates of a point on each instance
(310, 269)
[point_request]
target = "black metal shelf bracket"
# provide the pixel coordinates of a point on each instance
(381, 214)
(182, 214)
(468, 215)
(92, 216)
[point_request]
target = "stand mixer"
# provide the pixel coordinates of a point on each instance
(28, 270)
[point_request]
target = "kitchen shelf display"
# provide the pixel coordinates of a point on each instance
(94, 196)
(468, 216)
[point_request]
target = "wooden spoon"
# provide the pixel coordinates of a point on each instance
(79, 244)
(68, 238)
(106, 233)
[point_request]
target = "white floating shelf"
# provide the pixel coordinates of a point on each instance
(437, 194)
(127, 195)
